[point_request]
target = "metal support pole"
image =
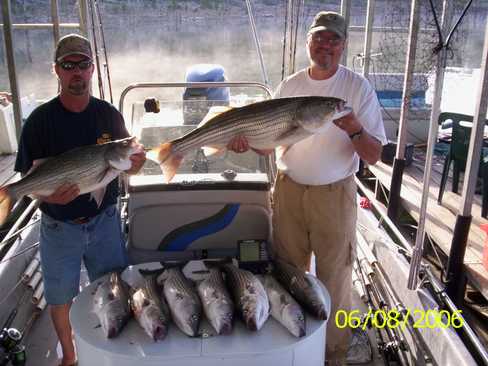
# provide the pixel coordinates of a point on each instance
(399, 162)
(256, 42)
(55, 20)
(346, 13)
(12, 74)
(368, 37)
(83, 10)
(439, 81)
(456, 279)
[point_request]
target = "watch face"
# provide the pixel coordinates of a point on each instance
(356, 135)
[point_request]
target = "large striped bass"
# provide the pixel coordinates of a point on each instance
(250, 297)
(111, 304)
(284, 308)
(90, 167)
(183, 300)
(216, 301)
(265, 125)
(307, 289)
(149, 306)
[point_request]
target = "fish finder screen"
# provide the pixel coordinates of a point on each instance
(249, 251)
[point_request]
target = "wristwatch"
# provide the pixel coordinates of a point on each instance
(356, 135)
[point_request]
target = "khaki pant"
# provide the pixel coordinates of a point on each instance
(322, 220)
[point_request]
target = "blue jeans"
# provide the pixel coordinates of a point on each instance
(99, 243)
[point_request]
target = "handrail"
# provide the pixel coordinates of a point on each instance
(42, 25)
(256, 42)
(191, 85)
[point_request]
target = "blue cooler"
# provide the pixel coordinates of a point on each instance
(197, 101)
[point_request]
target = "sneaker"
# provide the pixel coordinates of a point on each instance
(360, 348)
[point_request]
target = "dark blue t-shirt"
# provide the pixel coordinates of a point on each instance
(51, 130)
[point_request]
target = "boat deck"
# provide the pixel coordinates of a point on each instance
(440, 221)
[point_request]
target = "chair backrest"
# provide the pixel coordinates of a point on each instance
(461, 135)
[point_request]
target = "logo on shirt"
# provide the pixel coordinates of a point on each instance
(106, 137)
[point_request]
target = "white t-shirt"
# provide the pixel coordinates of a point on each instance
(329, 156)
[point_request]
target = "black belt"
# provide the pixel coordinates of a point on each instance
(81, 220)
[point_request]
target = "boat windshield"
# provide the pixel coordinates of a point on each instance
(174, 118)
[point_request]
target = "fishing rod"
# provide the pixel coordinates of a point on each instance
(394, 348)
(14, 230)
(104, 47)
(380, 341)
(396, 304)
(95, 46)
(435, 288)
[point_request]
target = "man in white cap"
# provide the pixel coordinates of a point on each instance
(314, 198)
(73, 227)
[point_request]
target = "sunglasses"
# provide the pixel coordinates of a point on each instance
(335, 41)
(70, 65)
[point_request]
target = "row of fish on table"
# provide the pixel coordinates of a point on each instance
(167, 294)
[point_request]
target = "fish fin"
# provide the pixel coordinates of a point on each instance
(36, 164)
(6, 204)
(212, 150)
(212, 113)
(168, 161)
(288, 133)
(98, 195)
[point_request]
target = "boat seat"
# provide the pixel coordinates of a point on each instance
(458, 154)
(183, 223)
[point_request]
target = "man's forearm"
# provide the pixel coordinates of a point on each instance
(368, 147)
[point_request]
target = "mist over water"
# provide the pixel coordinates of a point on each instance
(147, 42)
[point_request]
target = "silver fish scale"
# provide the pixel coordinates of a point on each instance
(240, 281)
(177, 280)
(256, 127)
(293, 277)
(216, 281)
(83, 166)
(150, 285)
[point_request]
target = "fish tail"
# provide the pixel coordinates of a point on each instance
(6, 204)
(167, 160)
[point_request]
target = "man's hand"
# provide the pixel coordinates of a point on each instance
(367, 147)
(239, 144)
(63, 194)
(137, 160)
(349, 123)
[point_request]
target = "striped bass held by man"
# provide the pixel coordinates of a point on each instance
(266, 125)
(90, 167)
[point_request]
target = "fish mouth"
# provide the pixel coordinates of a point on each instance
(301, 332)
(252, 324)
(322, 314)
(225, 328)
(112, 332)
(159, 333)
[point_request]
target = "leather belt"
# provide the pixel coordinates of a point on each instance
(81, 220)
